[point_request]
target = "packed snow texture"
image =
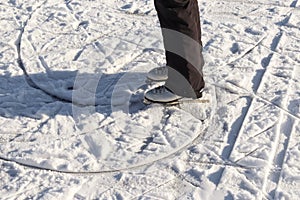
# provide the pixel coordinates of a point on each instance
(73, 124)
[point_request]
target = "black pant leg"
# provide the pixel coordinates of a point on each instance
(180, 23)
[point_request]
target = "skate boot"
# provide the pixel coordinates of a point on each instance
(158, 74)
(161, 94)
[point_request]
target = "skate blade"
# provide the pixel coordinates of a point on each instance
(177, 102)
(170, 103)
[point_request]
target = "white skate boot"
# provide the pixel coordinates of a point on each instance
(158, 74)
(161, 94)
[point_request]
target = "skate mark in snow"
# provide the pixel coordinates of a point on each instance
(287, 128)
(257, 84)
(94, 149)
(259, 3)
(294, 4)
(266, 62)
(285, 132)
(280, 142)
(20, 62)
(92, 173)
(232, 139)
(246, 93)
(246, 52)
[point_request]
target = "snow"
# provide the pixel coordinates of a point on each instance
(72, 124)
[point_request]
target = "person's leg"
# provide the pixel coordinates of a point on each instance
(180, 23)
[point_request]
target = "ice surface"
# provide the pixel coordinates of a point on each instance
(72, 121)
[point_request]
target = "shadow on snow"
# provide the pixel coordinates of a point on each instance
(59, 92)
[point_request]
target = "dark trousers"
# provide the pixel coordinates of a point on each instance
(180, 23)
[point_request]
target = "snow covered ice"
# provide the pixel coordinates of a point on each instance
(72, 124)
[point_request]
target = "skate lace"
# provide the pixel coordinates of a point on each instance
(159, 90)
(161, 70)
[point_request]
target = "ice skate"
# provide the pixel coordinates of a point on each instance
(158, 74)
(161, 94)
